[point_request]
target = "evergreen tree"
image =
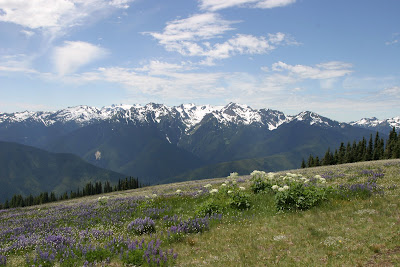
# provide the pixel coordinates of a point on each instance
(370, 150)
(336, 157)
(53, 197)
(376, 153)
(349, 154)
(310, 162)
(342, 153)
(303, 164)
(316, 162)
(391, 144)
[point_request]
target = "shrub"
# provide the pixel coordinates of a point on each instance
(142, 226)
(298, 196)
(209, 207)
(240, 200)
(258, 185)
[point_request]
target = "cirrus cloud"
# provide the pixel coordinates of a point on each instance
(214, 5)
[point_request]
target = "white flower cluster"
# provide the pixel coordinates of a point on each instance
(281, 183)
(103, 200)
(233, 175)
(213, 191)
(280, 189)
(319, 177)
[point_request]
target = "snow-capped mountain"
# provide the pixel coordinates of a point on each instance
(378, 125)
(156, 141)
(188, 114)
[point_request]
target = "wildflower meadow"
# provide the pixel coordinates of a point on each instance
(342, 215)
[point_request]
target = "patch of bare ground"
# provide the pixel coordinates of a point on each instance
(385, 258)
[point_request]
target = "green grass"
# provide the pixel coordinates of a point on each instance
(338, 232)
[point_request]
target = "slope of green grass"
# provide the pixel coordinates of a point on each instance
(341, 231)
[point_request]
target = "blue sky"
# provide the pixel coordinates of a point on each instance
(339, 58)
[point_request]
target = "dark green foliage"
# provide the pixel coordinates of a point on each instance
(258, 185)
(133, 257)
(303, 164)
(240, 200)
(375, 149)
(209, 207)
(300, 197)
(98, 255)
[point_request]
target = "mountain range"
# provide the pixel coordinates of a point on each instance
(27, 170)
(158, 143)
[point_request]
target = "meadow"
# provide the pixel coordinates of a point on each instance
(342, 215)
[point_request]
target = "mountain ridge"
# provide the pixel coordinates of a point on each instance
(28, 170)
(156, 142)
(189, 114)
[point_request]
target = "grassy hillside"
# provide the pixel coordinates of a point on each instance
(354, 222)
(27, 170)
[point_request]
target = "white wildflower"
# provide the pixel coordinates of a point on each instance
(207, 186)
(154, 195)
(317, 176)
(280, 189)
(233, 175)
(146, 196)
(223, 184)
(234, 182)
(275, 187)
(279, 237)
(242, 188)
(285, 187)
(230, 191)
(178, 191)
(212, 191)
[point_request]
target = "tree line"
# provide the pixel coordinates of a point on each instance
(89, 189)
(374, 149)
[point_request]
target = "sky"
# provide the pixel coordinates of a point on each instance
(338, 58)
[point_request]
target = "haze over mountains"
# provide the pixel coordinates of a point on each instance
(158, 143)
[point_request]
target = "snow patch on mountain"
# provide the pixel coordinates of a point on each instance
(188, 115)
(374, 122)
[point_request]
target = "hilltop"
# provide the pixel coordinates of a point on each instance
(359, 226)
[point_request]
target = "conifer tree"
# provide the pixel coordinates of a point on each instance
(310, 162)
(370, 150)
(303, 164)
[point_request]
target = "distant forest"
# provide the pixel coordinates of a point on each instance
(89, 189)
(374, 149)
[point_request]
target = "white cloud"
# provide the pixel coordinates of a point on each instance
(329, 70)
(391, 91)
(16, 63)
(54, 15)
(192, 37)
(395, 39)
(214, 5)
(274, 3)
(72, 55)
(179, 34)
(28, 33)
